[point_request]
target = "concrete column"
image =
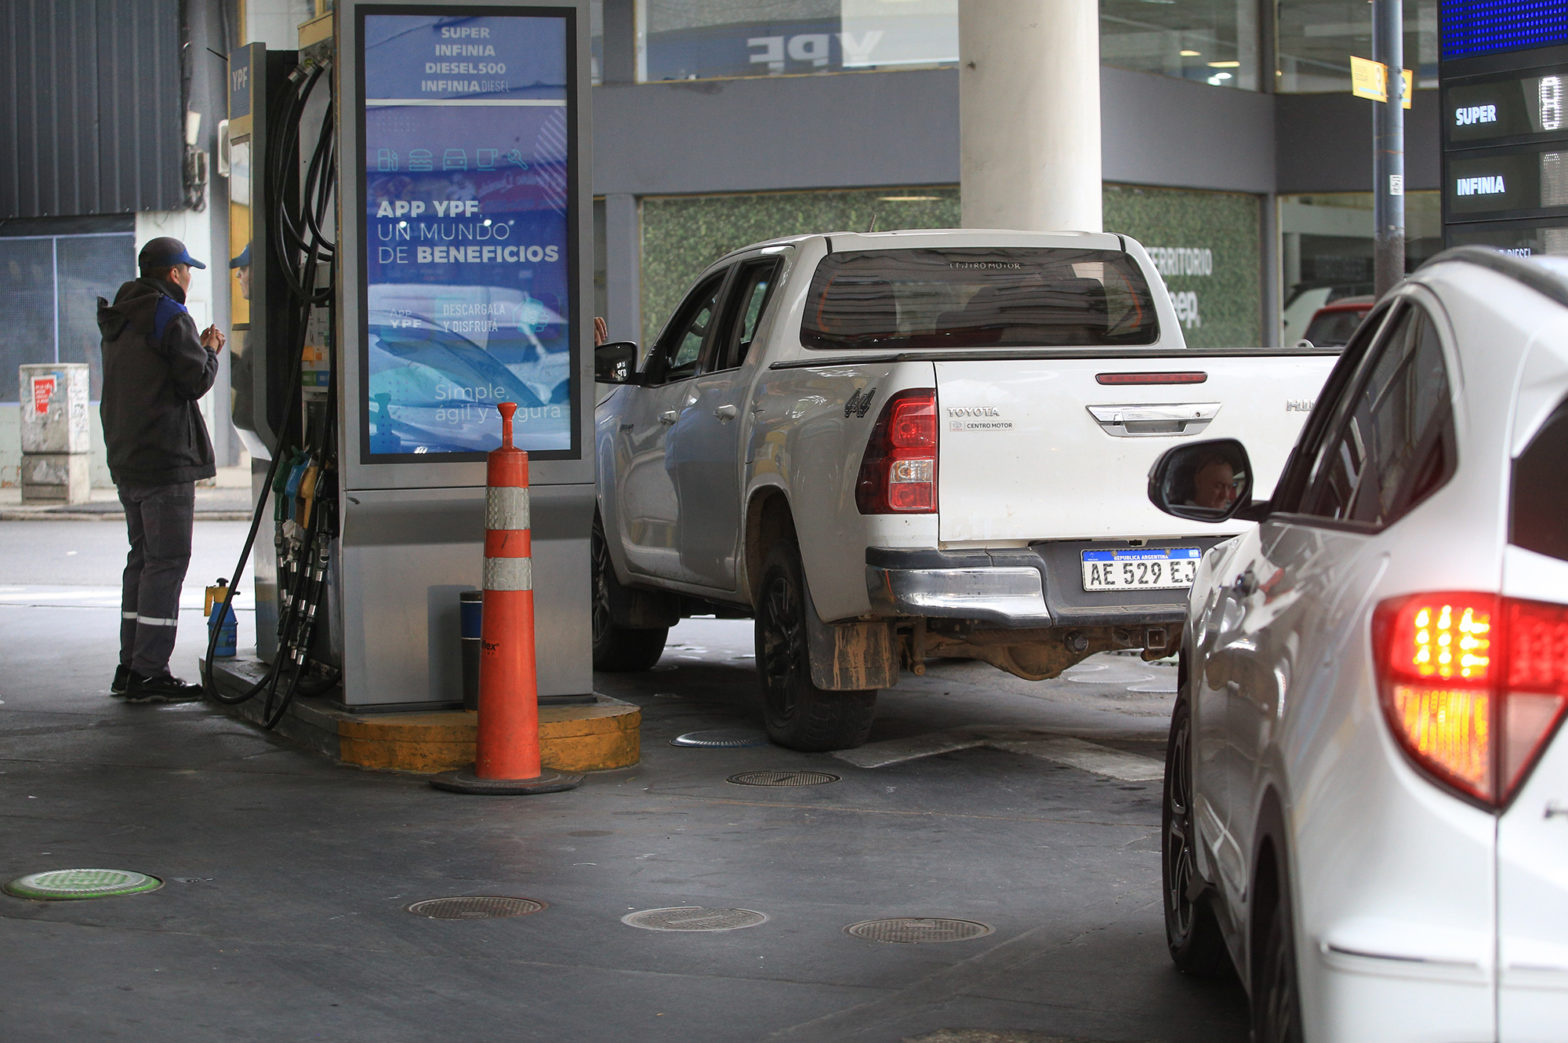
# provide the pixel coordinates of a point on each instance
(1029, 114)
(622, 256)
(619, 63)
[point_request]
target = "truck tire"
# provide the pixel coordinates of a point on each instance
(617, 649)
(796, 713)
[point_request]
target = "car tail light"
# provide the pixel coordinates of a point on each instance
(1473, 685)
(898, 470)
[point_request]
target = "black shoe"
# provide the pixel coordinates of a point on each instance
(164, 689)
(122, 680)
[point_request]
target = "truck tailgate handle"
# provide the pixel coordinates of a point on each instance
(1134, 421)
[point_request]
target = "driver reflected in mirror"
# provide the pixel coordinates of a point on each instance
(1215, 483)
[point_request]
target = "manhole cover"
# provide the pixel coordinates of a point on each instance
(782, 778)
(477, 907)
(694, 918)
(918, 929)
(65, 884)
(725, 738)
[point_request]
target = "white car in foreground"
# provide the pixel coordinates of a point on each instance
(1366, 797)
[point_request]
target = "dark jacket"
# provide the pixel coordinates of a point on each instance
(154, 370)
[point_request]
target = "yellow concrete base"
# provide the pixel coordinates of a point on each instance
(581, 737)
(573, 737)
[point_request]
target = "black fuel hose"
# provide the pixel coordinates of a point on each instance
(301, 253)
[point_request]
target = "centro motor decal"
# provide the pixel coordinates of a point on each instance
(976, 418)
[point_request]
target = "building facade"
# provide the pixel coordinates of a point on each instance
(1231, 147)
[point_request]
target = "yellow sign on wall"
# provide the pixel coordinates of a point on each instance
(1369, 79)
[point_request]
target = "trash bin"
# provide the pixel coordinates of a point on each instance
(472, 603)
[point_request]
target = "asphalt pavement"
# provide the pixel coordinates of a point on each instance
(986, 868)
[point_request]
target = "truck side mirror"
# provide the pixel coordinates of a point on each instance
(1202, 481)
(615, 363)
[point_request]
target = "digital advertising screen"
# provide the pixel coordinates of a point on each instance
(468, 226)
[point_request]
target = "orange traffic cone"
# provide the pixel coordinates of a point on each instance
(506, 753)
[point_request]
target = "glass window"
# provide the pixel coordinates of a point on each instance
(596, 42)
(50, 299)
(88, 266)
(968, 298)
(29, 298)
(1316, 38)
(1327, 245)
(1536, 509)
(1394, 445)
(678, 351)
(1209, 41)
(707, 39)
(753, 288)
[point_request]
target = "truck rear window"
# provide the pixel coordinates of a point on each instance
(978, 298)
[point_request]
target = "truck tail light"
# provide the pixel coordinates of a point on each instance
(898, 470)
(1473, 686)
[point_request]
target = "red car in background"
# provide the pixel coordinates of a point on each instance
(1332, 324)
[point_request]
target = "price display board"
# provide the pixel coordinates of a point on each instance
(1504, 75)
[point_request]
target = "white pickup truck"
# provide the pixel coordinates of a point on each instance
(893, 447)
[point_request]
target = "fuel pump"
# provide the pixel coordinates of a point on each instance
(283, 287)
(442, 268)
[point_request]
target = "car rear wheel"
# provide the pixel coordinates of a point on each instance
(1191, 931)
(1276, 995)
(796, 713)
(617, 649)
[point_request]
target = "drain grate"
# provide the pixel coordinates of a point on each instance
(782, 778)
(475, 907)
(68, 884)
(694, 918)
(722, 738)
(918, 929)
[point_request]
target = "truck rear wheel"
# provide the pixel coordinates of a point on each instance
(797, 714)
(617, 649)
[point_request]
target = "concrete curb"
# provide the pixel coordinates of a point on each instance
(47, 514)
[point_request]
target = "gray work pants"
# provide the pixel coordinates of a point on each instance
(158, 520)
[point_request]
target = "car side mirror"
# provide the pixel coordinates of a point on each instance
(1208, 481)
(615, 363)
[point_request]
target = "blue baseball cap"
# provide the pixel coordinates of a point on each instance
(166, 252)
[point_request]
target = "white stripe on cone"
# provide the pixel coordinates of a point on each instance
(506, 507)
(509, 574)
